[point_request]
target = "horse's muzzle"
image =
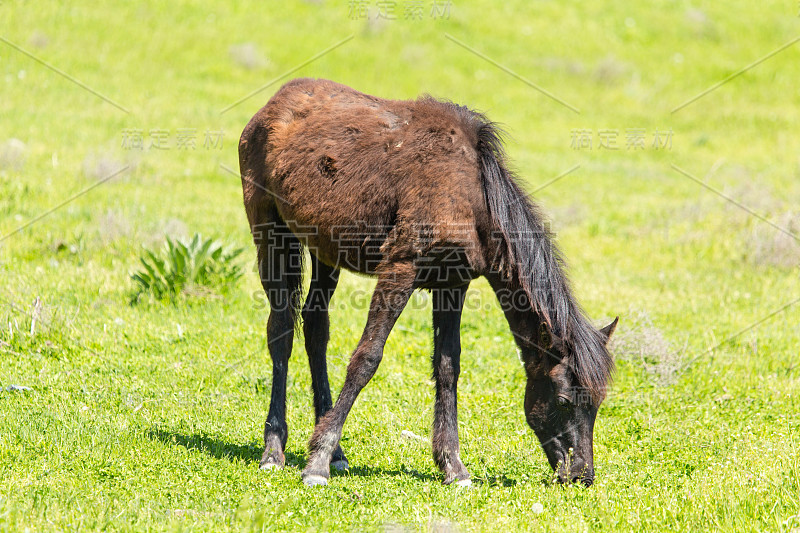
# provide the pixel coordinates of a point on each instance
(579, 473)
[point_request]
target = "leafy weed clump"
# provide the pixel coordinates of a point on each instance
(197, 267)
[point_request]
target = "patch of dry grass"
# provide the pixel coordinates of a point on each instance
(247, 55)
(644, 344)
(769, 246)
(102, 163)
(12, 154)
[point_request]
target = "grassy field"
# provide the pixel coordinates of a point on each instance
(150, 416)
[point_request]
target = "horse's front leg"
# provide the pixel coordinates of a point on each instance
(394, 287)
(447, 307)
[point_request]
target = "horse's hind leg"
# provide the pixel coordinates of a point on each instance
(447, 307)
(316, 328)
(280, 268)
(394, 287)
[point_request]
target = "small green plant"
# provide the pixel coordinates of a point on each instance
(195, 267)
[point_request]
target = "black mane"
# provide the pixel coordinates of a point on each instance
(536, 264)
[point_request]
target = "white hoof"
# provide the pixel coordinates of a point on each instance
(269, 466)
(315, 481)
(467, 483)
(340, 465)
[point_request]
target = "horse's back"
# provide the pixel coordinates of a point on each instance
(337, 158)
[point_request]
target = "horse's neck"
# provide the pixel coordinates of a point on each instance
(523, 321)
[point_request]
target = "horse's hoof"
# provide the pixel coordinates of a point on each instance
(272, 458)
(466, 483)
(341, 465)
(314, 480)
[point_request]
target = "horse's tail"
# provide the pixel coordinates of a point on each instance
(280, 253)
(529, 256)
(281, 259)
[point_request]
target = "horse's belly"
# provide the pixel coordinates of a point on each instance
(340, 239)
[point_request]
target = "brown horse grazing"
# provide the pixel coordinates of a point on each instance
(416, 193)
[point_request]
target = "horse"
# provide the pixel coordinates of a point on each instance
(418, 194)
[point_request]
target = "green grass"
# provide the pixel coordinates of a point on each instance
(150, 416)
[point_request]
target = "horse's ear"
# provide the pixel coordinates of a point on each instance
(550, 342)
(609, 329)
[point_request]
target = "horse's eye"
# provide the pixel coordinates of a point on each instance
(563, 403)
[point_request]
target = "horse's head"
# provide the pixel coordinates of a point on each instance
(560, 409)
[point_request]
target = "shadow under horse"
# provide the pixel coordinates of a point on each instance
(418, 194)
